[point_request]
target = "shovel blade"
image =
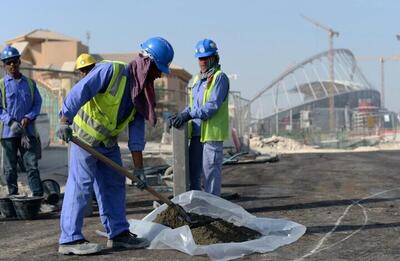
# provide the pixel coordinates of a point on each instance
(183, 214)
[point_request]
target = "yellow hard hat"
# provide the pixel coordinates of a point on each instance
(84, 60)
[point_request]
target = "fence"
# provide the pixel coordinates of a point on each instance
(353, 127)
(169, 101)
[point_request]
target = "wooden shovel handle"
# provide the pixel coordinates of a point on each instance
(118, 168)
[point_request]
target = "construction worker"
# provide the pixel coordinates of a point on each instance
(208, 118)
(20, 105)
(84, 64)
(111, 97)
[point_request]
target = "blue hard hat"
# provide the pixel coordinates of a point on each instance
(161, 51)
(8, 53)
(205, 48)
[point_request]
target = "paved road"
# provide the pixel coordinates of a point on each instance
(348, 201)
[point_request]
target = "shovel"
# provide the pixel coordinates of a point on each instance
(129, 175)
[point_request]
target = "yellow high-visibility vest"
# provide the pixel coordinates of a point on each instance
(215, 128)
(96, 122)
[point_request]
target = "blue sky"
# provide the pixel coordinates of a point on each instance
(257, 39)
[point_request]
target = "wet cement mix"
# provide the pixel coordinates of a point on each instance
(207, 230)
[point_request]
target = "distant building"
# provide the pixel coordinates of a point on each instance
(49, 58)
(47, 53)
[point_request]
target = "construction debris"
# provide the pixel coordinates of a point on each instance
(277, 143)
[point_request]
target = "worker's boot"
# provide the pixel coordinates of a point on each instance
(79, 247)
(127, 240)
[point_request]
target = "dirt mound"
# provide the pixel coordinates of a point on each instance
(208, 230)
(277, 143)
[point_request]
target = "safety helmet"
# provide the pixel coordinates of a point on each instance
(84, 60)
(205, 48)
(160, 50)
(8, 53)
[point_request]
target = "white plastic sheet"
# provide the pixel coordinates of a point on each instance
(276, 232)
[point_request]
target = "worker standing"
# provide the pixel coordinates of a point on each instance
(20, 105)
(208, 118)
(111, 97)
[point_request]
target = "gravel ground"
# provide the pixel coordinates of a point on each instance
(348, 201)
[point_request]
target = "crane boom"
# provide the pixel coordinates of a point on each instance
(328, 29)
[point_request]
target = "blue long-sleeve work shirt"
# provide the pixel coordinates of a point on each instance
(19, 104)
(97, 82)
(201, 112)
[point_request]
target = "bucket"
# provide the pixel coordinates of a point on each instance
(27, 207)
(51, 191)
(7, 207)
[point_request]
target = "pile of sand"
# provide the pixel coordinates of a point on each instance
(208, 230)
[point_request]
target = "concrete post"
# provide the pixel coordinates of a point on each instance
(181, 160)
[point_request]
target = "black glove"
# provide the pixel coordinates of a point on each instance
(170, 121)
(16, 128)
(64, 132)
(181, 119)
(141, 183)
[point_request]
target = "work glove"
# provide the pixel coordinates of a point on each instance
(16, 128)
(181, 119)
(64, 132)
(25, 142)
(141, 183)
(170, 121)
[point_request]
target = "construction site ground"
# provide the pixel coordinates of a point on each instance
(349, 203)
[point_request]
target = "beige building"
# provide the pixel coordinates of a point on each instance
(49, 58)
(43, 48)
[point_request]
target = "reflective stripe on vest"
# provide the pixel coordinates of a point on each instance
(215, 128)
(96, 122)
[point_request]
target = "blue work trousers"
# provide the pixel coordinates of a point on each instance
(86, 174)
(205, 163)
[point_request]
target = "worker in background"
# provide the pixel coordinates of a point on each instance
(20, 104)
(84, 64)
(111, 97)
(208, 118)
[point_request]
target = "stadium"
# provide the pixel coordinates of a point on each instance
(325, 100)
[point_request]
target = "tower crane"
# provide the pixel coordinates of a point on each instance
(382, 60)
(331, 99)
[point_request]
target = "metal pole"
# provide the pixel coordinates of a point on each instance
(382, 60)
(331, 100)
(181, 160)
(276, 112)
